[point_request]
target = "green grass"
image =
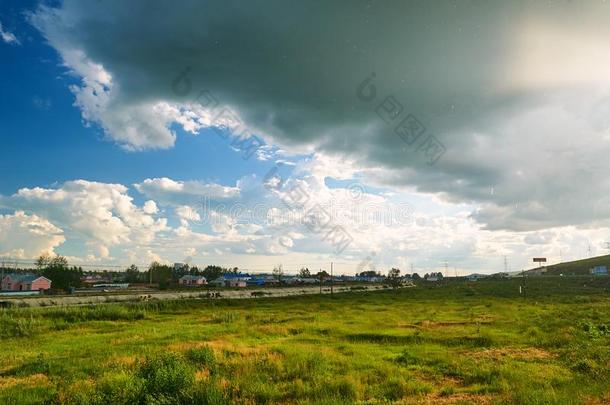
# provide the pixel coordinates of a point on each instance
(456, 342)
(578, 267)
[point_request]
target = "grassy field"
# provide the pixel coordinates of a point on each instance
(578, 267)
(453, 343)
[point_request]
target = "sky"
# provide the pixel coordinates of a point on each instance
(460, 136)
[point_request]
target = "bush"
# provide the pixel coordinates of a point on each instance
(595, 331)
(97, 313)
(166, 375)
(207, 394)
(11, 326)
(120, 389)
(343, 388)
(225, 317)
(37, 366)
(202, 357)
(393, 389)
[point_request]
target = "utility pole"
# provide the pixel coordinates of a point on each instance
(331, 278)
(446, 274)
(505, 264)
(2, 279)
(320, 273)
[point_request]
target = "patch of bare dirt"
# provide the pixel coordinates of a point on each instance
(458, 398)
(443, 324)
(525, 353)
(34, 380)
(597, 400)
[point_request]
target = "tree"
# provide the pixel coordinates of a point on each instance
(179, 271)
(160, 273)
(394, 277)
(278, 272)
(304, 273)
(43, 261)
(416, 276)
(212, 272)
(132, 274)
(322, 274)
(56, 269)
(369, 274)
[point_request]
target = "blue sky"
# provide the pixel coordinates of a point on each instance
(44, 141)
(103, 161)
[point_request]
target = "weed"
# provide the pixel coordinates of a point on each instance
(202, 357)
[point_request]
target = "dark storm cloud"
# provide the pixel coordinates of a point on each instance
(523, 139)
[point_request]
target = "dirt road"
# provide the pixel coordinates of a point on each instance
(47, 301)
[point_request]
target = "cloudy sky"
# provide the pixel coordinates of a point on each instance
(460, 135)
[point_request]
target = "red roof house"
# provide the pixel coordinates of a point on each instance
(25, 282)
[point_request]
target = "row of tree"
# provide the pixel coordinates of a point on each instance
(56, 269)
(65, 277)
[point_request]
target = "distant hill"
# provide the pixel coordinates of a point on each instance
(577, 267)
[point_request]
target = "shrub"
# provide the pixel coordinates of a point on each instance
(120, 388)
(37, 366)
(97, 313)
(225, 317)
(595, 331)
(166, 375)
(343, 388)
(207, 394)
(11, 326)
(447, 391)
(202, 357)
(393, 389)
(407, 359)
(585, 366)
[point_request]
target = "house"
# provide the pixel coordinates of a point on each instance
(25, 282)
(476, 276)
(114, 286)
(256, 281)
(271, 280)
(232, 280)
(372, 279)
(309, 280)
(599, 271)
(236, 282)
(91, 279)
(188, 280)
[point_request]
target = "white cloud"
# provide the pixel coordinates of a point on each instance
(28, 236)
(103, 218)
(286, 241)
(99, 214)
(186, 213)
(172, 192)
(492, 83)
(150, 207)
(8, 37)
